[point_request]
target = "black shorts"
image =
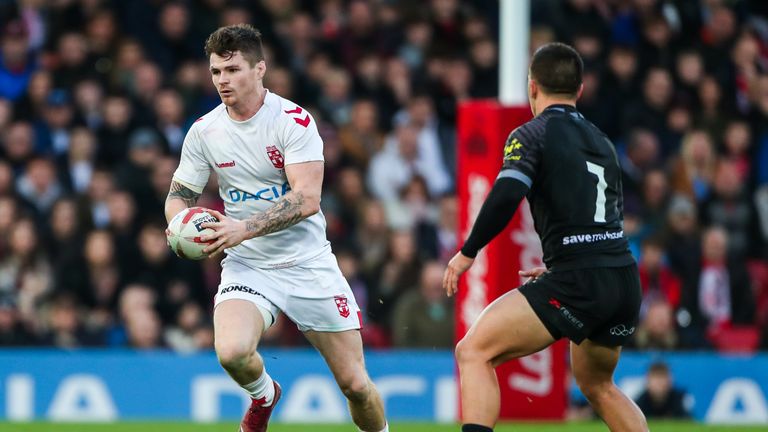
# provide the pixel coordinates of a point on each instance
(600, 304)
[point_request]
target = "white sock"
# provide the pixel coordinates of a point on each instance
(386, 428)
(262, 388)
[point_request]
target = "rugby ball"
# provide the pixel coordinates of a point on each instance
(185, 231)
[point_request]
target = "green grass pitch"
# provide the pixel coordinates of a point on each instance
(395, 427)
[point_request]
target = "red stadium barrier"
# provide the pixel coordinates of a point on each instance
(533, 387)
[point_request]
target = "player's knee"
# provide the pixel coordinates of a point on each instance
(356, 388)
(466, 351)
(595, 391)
(233, 356)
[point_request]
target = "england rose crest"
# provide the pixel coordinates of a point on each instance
(275, 157)
(341, 305)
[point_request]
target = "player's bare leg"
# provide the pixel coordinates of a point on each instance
(237, 326)
(593, 367)
(343, 351)
(508, 328)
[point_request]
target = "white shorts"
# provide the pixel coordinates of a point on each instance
(314, 295)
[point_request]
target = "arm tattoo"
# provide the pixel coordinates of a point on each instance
(187, 195)
(285, 213)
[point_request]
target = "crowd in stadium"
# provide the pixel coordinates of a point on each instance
(96, 97)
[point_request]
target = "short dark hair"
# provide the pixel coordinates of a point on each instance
(658, 367)
(239, 37)
(557, 69)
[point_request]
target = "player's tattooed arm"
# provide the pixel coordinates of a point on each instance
(185, 194)
(285, 213)
(301, 202)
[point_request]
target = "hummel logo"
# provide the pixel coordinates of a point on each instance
(229, 164)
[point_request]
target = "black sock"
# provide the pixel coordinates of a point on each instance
(475, 428)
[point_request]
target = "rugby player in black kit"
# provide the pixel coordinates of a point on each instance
(590, 290)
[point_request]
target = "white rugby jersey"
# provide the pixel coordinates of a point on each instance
(249, 158)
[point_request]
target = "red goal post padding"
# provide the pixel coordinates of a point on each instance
(533, 387)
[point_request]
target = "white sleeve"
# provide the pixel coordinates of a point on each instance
(301, 140)
(193, 169)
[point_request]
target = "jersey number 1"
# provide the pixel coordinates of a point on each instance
(601, 185)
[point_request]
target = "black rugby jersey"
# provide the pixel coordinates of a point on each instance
(575, 193)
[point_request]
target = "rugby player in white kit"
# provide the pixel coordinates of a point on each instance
(268, 157)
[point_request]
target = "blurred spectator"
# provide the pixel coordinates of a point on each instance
(72, 60)
(689, 71)
(711, 115)
(399, 274)
(720, 292)
(360, 138)
(53, 134)
(39, 187)
(394, 166)
(420, 113)
(682, 235)
(7, 186)
(190, 331)
(485, 72)
(336, 99)
(413, 209)
(177, 42)
(373, 239)
(18, 145)
(729, 208)
(349, 203)
(89, 97)
(641, 155)
(115, 131)
(16, 61)
(64, 233)
(9, 213)
(25, 274)
(656, 278)
(93, 208)
(144, 330)
(146, 82)
(418, 37)
(6, 113)
(655, 197)
(619, 84)
(30, 105)
(694, 171)
(134, 173)
(101, 276)
(649, 112)
(423, 317)
(737, 143)
(13, 332)
(65, 327)
(77, 165)
(656, 330)
(661, 399)
(123, 225)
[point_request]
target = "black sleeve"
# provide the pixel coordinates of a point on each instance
(497, 210)
(523, 148)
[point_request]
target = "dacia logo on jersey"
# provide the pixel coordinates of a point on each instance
(270, 193)
(510, 150)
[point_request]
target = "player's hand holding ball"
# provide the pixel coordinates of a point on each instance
(185, 232)
(222, 233)
(197, 233)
